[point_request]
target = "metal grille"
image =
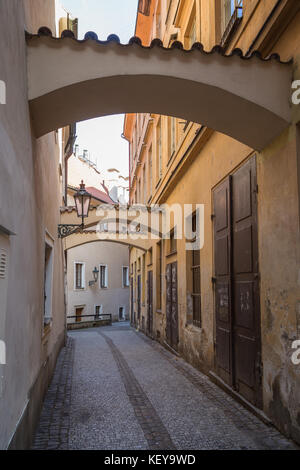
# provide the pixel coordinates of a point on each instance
(3, 260)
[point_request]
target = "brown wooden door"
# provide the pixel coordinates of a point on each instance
(131, 302)
(150, 303)
(139, 297)
(245, 277)
(237, 307)
(171, 305)
(78, 314)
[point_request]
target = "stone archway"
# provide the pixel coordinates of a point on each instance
(236, 95)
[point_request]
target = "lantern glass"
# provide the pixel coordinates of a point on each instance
(95, 274)
(82, 201)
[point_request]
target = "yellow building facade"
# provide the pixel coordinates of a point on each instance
(232, 308)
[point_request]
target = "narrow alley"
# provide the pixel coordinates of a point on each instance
(114, 388)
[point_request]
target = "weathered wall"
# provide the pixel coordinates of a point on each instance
(115, 295)
(29, 195)
(191, 179)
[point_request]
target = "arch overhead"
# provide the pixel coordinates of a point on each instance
(90, 236)
(245, 97)
(140, 238)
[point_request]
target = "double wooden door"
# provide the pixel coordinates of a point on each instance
(150, 303)
(172, 306)
(237, 304)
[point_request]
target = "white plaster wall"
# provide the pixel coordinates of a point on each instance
(29, 202)
(115, 296)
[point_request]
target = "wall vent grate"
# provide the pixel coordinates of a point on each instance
(3, 263)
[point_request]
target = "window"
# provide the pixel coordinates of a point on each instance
(150, 256)
(79, 276)
(125, 276)
(196, 281)
(144, 185)
(103, 280)
(230, 8)
(158, 21)
(98, 310)
(191, 36)
(150, 171)
(144, 7)
(172, 123)
(159, 150)
(172, 242)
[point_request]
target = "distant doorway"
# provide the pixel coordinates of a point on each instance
(78, 314)
(121, 313)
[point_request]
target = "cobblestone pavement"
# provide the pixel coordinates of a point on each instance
(129, 393)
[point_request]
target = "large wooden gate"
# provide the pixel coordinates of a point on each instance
(237, 306)
(172, 306)
(150, 303)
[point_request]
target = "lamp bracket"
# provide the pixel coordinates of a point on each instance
(64, 230)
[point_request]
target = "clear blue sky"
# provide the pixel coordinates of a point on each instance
(102, 137)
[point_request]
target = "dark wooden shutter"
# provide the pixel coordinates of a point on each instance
(222, 252)
(246, 283)
(174, 307)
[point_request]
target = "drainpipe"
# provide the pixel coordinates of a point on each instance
(69, 150)
(264, 26)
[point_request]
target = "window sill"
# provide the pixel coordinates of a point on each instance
(171, 253)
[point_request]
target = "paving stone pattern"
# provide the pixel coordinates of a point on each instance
(119, 390)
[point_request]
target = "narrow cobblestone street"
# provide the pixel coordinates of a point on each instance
(115, 389)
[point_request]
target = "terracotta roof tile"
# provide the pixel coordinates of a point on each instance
(91, 36)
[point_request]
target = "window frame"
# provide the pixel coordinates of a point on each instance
(127, 283)
(82, 263)
(105, 286)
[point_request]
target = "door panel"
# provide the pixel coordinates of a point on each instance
(222, 255)
(174, 307)
(171, 306)
(139, 297)
(245, 283)
(237, 303)
(150, 303)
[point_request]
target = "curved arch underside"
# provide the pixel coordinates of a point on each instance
(71, 81)
(82, 238)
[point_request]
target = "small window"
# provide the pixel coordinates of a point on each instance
(172, 242)
(125, 276)
(103, 276)
(158, 151)
(79, 276)
(98, 311)
(150, 257)
(231, 8)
